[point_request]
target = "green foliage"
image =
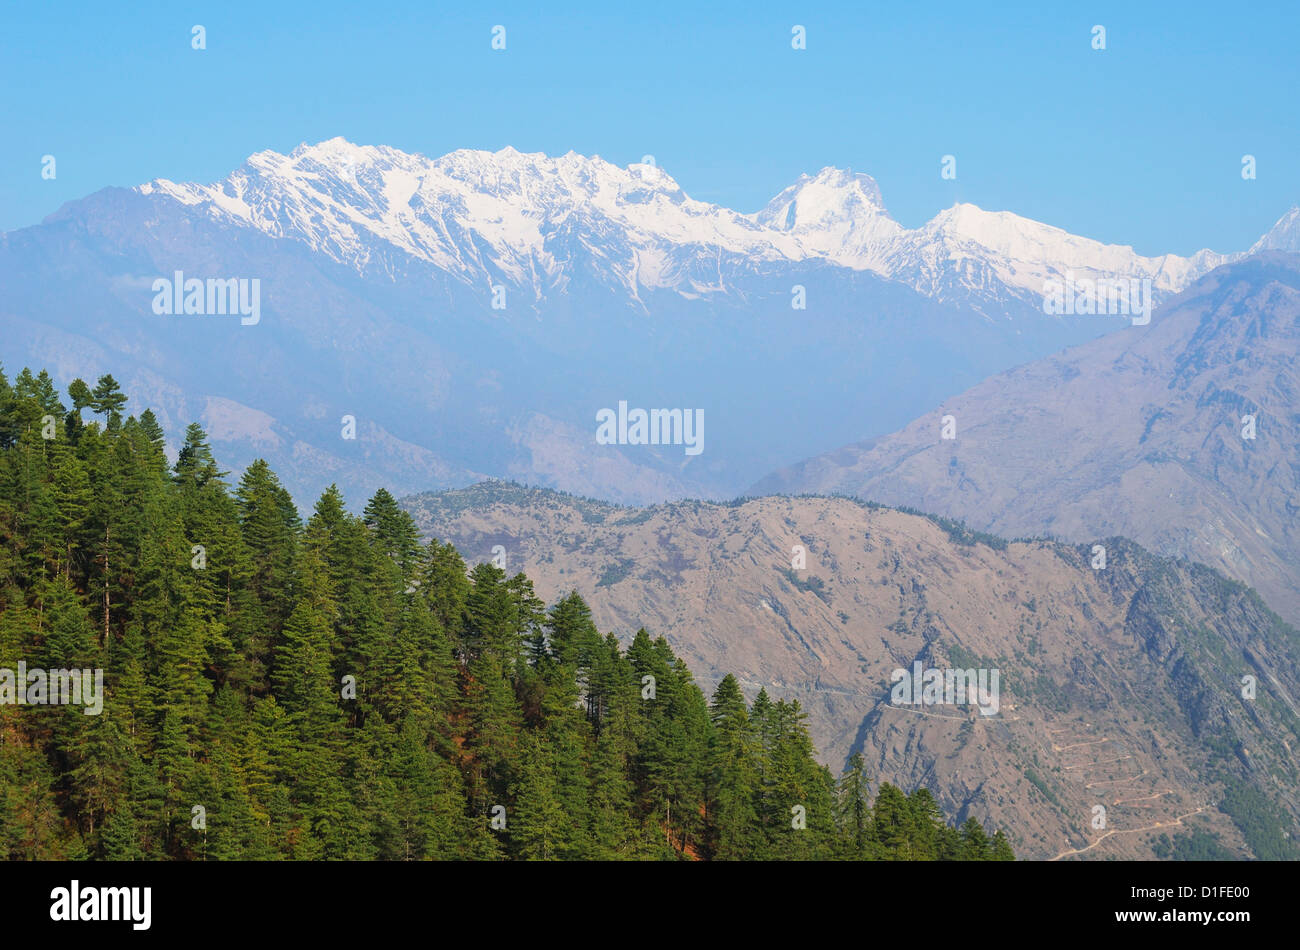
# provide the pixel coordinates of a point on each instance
(1036, 781)
(810, 584)
(1199, 845)
(1267, 828)
(616, 572)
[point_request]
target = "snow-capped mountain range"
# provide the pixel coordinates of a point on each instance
(488, 216)
(380, 276)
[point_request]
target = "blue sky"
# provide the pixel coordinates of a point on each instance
(1139, 144)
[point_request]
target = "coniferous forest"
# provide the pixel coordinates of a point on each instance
(332, 688)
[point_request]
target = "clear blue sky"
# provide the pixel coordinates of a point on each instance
(1140, 144)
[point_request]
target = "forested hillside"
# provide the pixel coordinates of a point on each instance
(333, 689)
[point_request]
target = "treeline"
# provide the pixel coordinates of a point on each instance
(334, 689)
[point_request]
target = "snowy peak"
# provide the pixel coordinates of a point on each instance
(1283, 236)
(1023, 254)
(836, 214)
(829, 196)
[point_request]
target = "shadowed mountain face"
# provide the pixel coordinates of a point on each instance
(472, 315)
(1183, 435)
(1119, 687)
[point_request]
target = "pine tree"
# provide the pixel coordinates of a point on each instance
(926, 821)
(108, 400)
(894, 823)
(537, 818)
(1001, 850)
(394, 531)
(733, 815)
(974, 841)
(445, 588)
(853, 810)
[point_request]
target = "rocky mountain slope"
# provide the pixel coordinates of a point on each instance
(1119, 687)
(1183, 435)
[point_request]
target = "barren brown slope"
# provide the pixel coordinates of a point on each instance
(1137, 434)
(1119, 687)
